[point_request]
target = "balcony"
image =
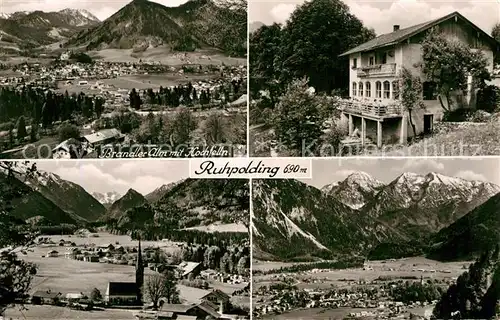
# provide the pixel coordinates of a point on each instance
(372, 108)
(379, 70)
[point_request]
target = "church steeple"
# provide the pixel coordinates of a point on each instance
(139, 272)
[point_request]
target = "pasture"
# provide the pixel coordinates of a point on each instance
(386, 270)
(164, 55)
(46, 312)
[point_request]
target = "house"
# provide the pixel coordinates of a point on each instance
(69, 149)
(218, 300)
(374, 108)
(74, 297)
(104, 137)
(188, 312)
(52, 254)
(45, 297)
(189, 269)
(121, 293)
(91, 258)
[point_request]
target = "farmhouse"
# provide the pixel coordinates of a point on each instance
(45, 297)
(217, 298)
(104, 137)
(189, 269)
(374, 109)
(52, 254)
(121, 293)
(189, 312)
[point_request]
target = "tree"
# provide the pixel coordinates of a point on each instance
(495, 33)
(162, 286)
(411, 94)
(316, 34)
(297, 119)
(95, 295)
(448, 63)
(68, 131)
(214, 129)
(183, 125)
(21, 128)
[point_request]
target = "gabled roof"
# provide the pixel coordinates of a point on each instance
(46, 294)
(218, 293)
(187, 267)
(122, 289)
(103, 135)
(403, 34)
(209, 309)
(176, 308)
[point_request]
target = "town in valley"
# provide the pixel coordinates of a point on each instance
(122, 255)
(77, 84)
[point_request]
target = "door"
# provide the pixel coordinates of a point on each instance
(428, 123)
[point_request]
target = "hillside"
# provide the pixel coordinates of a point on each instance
(130, 200)
(141, 24)
(360, 214)
(470, 235)
(32, 29)
(25, 203)
(158, 193)
(68, 196)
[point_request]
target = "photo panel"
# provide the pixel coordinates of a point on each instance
(379, 239)
(129, 79)
(379, 78)
(122, 239)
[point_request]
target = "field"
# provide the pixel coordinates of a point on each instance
(61, 313)
(388, 269)
(165, 56)
(230, 227)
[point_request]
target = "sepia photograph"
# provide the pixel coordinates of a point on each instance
(79, 75)
(121, 240)
(379, 78)
(379, 239)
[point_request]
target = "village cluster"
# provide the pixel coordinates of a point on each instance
(200, 302)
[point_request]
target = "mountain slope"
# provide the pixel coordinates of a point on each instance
(417, 205)
(130, 200)
(470, 235)
(68, 196)
(292, 219)
(26, 203)
(158, 193)
(142, 23)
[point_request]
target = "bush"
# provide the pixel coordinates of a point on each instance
(68, 131)
(488, 98)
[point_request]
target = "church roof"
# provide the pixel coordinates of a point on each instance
(122, 289)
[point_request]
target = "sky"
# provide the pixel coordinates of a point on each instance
(102, 9)
(118, 175)
(383, 14)
(332, 170)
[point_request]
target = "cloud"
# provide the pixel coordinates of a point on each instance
(383, 15)
(282, 11)
(470, 175)
(422, 166)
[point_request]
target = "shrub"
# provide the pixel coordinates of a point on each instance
(488, 98)
(68, 131)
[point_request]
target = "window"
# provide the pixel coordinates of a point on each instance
(429, 90)
(387, 90)
(378, 89)
(354, 89)
(395, 90)
(372, 61)
(384, 58)
(354, 63)
(360, 89)
(368, 89)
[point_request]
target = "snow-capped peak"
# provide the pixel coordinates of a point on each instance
(4, 15)
(107, 197)
(363, 180)
(79, 12)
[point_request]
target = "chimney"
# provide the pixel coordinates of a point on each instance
(396, 27)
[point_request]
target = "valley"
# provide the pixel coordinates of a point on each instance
(78, 245)
(376, 244)
(146, 75)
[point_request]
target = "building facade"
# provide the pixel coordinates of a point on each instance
(374, 107)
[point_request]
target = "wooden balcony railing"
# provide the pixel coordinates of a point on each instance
(377, 109)
(379, 70)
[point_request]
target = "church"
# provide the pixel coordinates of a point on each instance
(127, 293)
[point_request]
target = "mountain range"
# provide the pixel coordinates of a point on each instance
(45, 199)
(36, 28)
(139, 25)
(360, 215)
